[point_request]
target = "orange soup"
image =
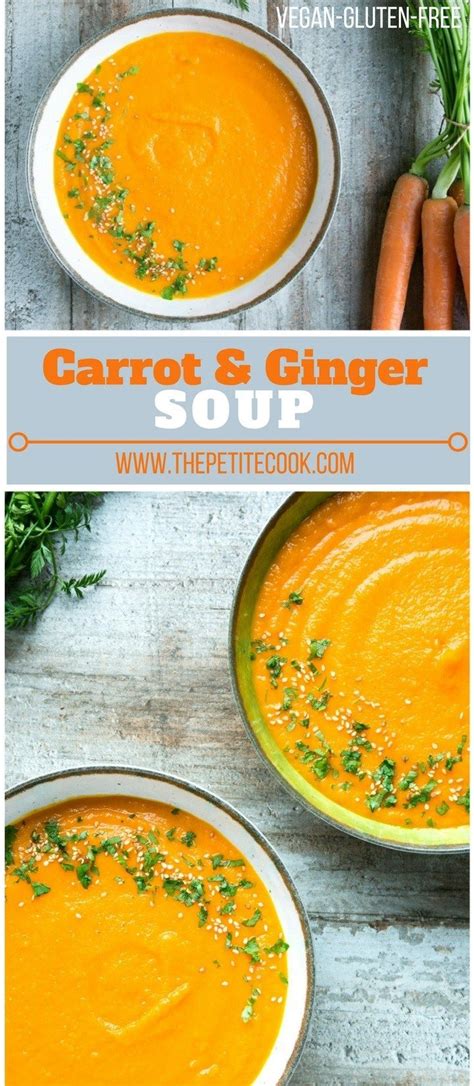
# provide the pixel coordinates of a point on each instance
(360, 655)
(141, 947)
(185, 164)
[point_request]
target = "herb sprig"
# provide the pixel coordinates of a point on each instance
(37, 529)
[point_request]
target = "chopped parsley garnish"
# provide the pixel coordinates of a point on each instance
(253, 920)
(229, 889)
(208, 265)
(39, 889)
(133, 70)
(83, 872)
(193, 892)
(385, 796)
(385, 773)
(275, 665)
(178, 286)
(247, 1012)
(351, 760)
(171, 886)
(280, 947)
(202, 916)
(318, 760)
(218, 861)
(319, 703)
(252, 949)
(464, 801)
(259, 646)
(295, 599)
(422, 795)
(442, 808)
(290, 695)
(23, 871)
(51, 829)
(318, 648)
(408, 779)
(188, 839)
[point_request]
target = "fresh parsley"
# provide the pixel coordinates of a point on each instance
(37, 529)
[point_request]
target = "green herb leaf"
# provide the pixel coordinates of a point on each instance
(208, 265)
(229, 907)
(83, 872)
(422, 795)
(442, 808)
(280, 947)
(290, 695)
(133, 70)
(253, 920)
(247, 1012)
(408, 779)
(39, 889)
(464, 801)
(351, 760)
(202, 914)
(252, 949)
(318, 648)
(188, 839)
(295, 599)
(172, 886)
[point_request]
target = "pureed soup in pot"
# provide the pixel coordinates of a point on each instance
(185, 164)
(141, 947)
(360, 655)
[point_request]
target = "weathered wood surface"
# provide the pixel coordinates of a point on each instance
(377, 85)
(137, 674)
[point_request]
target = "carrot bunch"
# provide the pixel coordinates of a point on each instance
(440, 217)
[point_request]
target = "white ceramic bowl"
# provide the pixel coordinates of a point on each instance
(41, 167)
(139, 783)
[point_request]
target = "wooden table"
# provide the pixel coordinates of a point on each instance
(377, 84)
(137, 674)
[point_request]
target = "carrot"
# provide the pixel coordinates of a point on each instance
(461, 241)
(457, 192)
(399, 241)
(439, 262)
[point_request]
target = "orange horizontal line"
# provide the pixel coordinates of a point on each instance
(236, 441)
(19, 441)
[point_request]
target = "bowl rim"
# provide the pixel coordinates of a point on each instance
(206, 794)
(399, 846)
(221, 17)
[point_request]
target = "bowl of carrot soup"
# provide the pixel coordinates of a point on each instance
(349, 650)
(184, 165)
(156, 928)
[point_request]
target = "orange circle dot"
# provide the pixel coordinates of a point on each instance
(458, 441)
(18, 441)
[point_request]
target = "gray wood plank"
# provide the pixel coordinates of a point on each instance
(376, 82)
(137, 673)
